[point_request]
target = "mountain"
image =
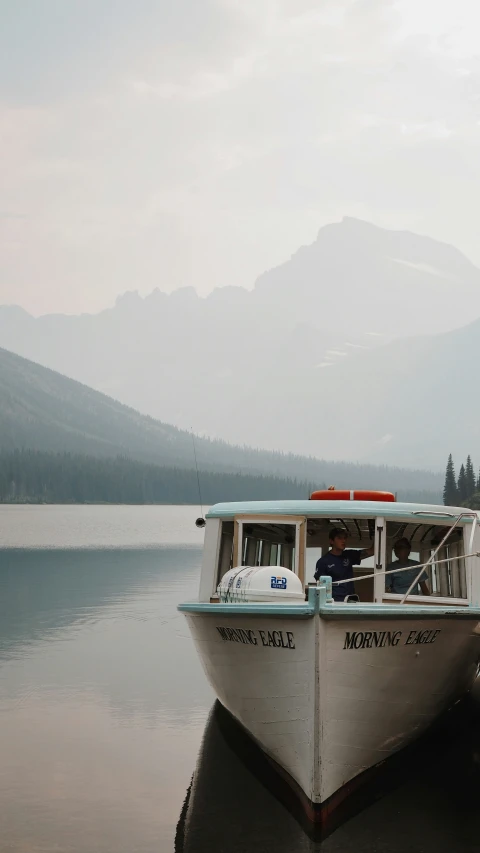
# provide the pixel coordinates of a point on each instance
(371, 282)
(45, 411)
(242, 365)
(405, 404)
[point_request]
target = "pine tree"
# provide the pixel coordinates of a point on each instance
(450, 493)
(478, 481)
(470, 478)
(462, 485)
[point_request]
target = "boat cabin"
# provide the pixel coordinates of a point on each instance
(295, 534)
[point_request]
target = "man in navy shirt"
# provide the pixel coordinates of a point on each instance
(339, 563)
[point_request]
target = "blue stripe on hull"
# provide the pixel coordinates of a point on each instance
(333, 611)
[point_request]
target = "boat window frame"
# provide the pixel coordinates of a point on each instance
(467, 537)
(297, 521)
(379, 542)
(379, 558)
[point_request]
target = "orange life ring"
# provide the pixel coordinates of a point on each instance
(351, 495)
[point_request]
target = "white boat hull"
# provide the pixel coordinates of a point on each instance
(327, 699)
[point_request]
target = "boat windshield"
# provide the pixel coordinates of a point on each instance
(268, 544)
(252, 542)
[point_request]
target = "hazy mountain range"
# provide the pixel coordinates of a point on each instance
(346, 351)
(43, 410)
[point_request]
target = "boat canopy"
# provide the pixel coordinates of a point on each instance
(335, 509)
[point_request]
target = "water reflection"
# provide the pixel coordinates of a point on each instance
(48, 590)
(431, 805)
(111, 624)
(102, 698)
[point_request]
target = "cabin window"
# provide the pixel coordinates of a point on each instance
(361, 537)
(268, 544)
(248, 541)
(443, 579)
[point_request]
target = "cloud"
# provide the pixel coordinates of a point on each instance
(199, 143)
(386, 439)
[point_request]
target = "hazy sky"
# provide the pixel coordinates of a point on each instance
(149, 143)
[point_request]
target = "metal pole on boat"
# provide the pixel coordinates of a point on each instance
(200, 522)
(468, 577)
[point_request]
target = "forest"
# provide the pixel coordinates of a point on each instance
(464, 490)
(39, 476)
(34, 476)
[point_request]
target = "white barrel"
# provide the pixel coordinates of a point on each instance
(260, 583)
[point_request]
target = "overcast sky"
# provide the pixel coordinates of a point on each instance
(151, 143)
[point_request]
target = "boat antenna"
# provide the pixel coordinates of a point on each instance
(200, 522)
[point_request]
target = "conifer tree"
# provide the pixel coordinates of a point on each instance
(470, 478)
(450, 495)
(462, 484)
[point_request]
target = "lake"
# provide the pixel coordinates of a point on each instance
(106, 713)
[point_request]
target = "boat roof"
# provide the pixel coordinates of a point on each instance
(337, 509)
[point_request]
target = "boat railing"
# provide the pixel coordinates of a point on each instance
(421, 566)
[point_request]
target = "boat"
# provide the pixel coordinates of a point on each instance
(328, 686)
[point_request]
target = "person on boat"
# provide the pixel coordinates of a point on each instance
(401, 581)
(339, 563)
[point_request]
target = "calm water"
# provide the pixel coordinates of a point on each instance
(105, 712)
